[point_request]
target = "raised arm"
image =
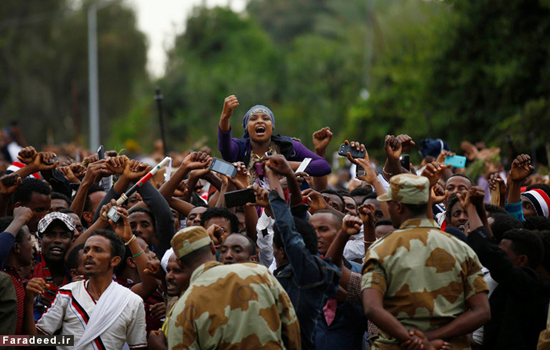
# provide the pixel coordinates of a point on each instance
(250, 214)
(371, 175)
(94, 173)
(7, 238)
(8, 185)
(308, 269)
(148, 283)
(394, 146)
(321, 140)
(351, 225)
(227, 147)
(521, 169)
(195, 160)
(280, 166)
(318, 166)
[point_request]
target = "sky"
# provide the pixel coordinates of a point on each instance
(162, 20)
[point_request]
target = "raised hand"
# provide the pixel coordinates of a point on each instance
(437, 194)
(181, 189)
(154, 269)
(301, 177)
(464, 199)
(111, 154)
(262, 197)
(9, 183)
(521, 168)
(96, 171)
(433, 172)
(196, 160)
(477, 194)
(315, 200)
(279, 165)
(105, 209)
(135, 170)
(321, 140)
(470, 151)
(22, 214)
(351, 225)
(497, 186)
(216, 233)
(366, 214)
(90, 159)
(27, 154)
(117, 164)
(406, 142)
(78, 169)
(68, 173)
(45, 161)
(241, 178)
(443, 155)
(122, 228)
(393, 147)
(371, 175)
(229, 104)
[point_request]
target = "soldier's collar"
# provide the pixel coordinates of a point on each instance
(203, 268)
(415, 223)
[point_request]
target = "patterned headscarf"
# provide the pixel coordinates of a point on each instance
(255, 110)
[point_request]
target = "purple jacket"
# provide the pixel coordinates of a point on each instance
(238, 150)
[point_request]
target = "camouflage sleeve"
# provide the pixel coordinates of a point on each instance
(474, 282)
(374, 276)
(180, 332)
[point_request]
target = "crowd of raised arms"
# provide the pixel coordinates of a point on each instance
(263, 253)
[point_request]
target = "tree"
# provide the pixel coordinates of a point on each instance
(492, 60)
(43, 56)
(220, 53)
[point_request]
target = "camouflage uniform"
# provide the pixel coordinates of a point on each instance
(239, 306)
(425, 275)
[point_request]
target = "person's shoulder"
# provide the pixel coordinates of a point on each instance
(70, 287)
(242, 270)
(133, 297)
(245, 267)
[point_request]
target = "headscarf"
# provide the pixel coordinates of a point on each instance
(255, 110)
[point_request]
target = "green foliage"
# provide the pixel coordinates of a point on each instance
(493, 59)
(221, 53)
(397, 77)
(43, 64)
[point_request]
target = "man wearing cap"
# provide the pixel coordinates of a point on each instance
(55, 233)
(227, 306)
(420, 279)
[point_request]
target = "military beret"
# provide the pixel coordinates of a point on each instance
(189, 239)
(407, 189)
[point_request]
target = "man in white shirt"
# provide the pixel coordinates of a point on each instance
(100, 313)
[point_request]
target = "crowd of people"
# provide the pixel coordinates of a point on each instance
(396, 256)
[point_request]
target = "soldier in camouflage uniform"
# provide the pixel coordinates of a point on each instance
(239, 306)
(420, 278)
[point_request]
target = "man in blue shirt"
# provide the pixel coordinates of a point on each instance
(308, 279)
